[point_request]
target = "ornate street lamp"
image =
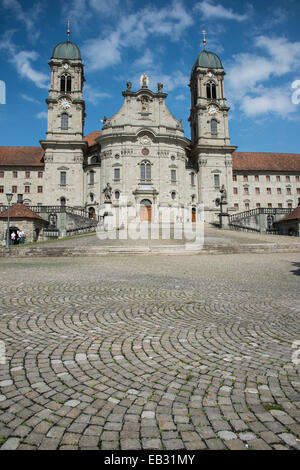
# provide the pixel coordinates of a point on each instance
(222, 201)
(9, 196)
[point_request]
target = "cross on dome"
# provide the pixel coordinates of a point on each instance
(204, 38)
(68, 30)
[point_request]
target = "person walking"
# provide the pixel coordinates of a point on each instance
(21, 236)
(13, 237)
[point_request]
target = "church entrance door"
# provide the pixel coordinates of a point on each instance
(193, 214)
(145, 210)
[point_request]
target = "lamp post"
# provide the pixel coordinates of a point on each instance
(221, 202)
(9, 196)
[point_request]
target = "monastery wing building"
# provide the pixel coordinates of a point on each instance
(141, 151)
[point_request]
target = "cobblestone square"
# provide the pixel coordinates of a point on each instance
(150, 352)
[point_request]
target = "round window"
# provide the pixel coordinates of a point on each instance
(117, 156)
(172, 157)
(145, 151)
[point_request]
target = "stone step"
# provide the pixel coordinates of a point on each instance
(163, 249)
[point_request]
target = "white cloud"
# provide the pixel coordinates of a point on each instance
(269, 100)
(42, 115)
(93, 96)
(102, 53)
(251, 78)
(170, 82)
(104, 7)
(180, 98)
(146, 61)
(209, 10)
(133, 30)
(79, 12)
(28, 98)
(29, 18)
(22, 61)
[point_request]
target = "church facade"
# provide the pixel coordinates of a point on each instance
(142, 153)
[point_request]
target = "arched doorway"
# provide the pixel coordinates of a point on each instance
(12, 240)
(92, 213)
(36, 234)
(193, 214)
(145, 210)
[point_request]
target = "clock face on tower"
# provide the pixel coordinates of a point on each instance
(64, 103)
(212, 110)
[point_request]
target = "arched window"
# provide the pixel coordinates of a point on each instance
(62, 201)
(69, 84)
(146, 171)
(173, 195)
(211, 91)
(64, 121)
(117, 194)
(62, 83)
(92, 213)
(92, 177)
(66, 83)
(214, 126)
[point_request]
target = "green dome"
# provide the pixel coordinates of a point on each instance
(66, 50)
(208, 60)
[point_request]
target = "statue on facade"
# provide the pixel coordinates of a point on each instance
(107, 193)
(159, 87)
(52, 221)
(145, 104)
(144, 80)
(129, 86)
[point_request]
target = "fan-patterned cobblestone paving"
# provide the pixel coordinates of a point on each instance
(150, 352)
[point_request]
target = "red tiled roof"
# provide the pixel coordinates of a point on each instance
(258, 161)
(294, 215)
(91, 138)
(19, 211)
(21, 156)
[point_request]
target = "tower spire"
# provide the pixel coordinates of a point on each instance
(204, 39)
(68, 30)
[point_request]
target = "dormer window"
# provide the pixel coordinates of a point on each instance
(211, 91)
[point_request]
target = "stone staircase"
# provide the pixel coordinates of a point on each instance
(257, 220)
(184, 249)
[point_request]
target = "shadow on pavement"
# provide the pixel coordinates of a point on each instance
(296, 271)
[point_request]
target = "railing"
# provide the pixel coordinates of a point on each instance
(79, 231)
(258, 211)
(60, 209)
(51, 233)
(55, 209)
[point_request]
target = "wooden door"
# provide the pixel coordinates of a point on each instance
(193, 215)
(145, 213)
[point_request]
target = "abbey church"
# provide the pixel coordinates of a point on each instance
(141, 152)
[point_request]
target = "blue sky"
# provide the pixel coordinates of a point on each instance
(258, 43)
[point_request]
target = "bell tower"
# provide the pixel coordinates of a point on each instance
(64, 146)
(210, 149)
